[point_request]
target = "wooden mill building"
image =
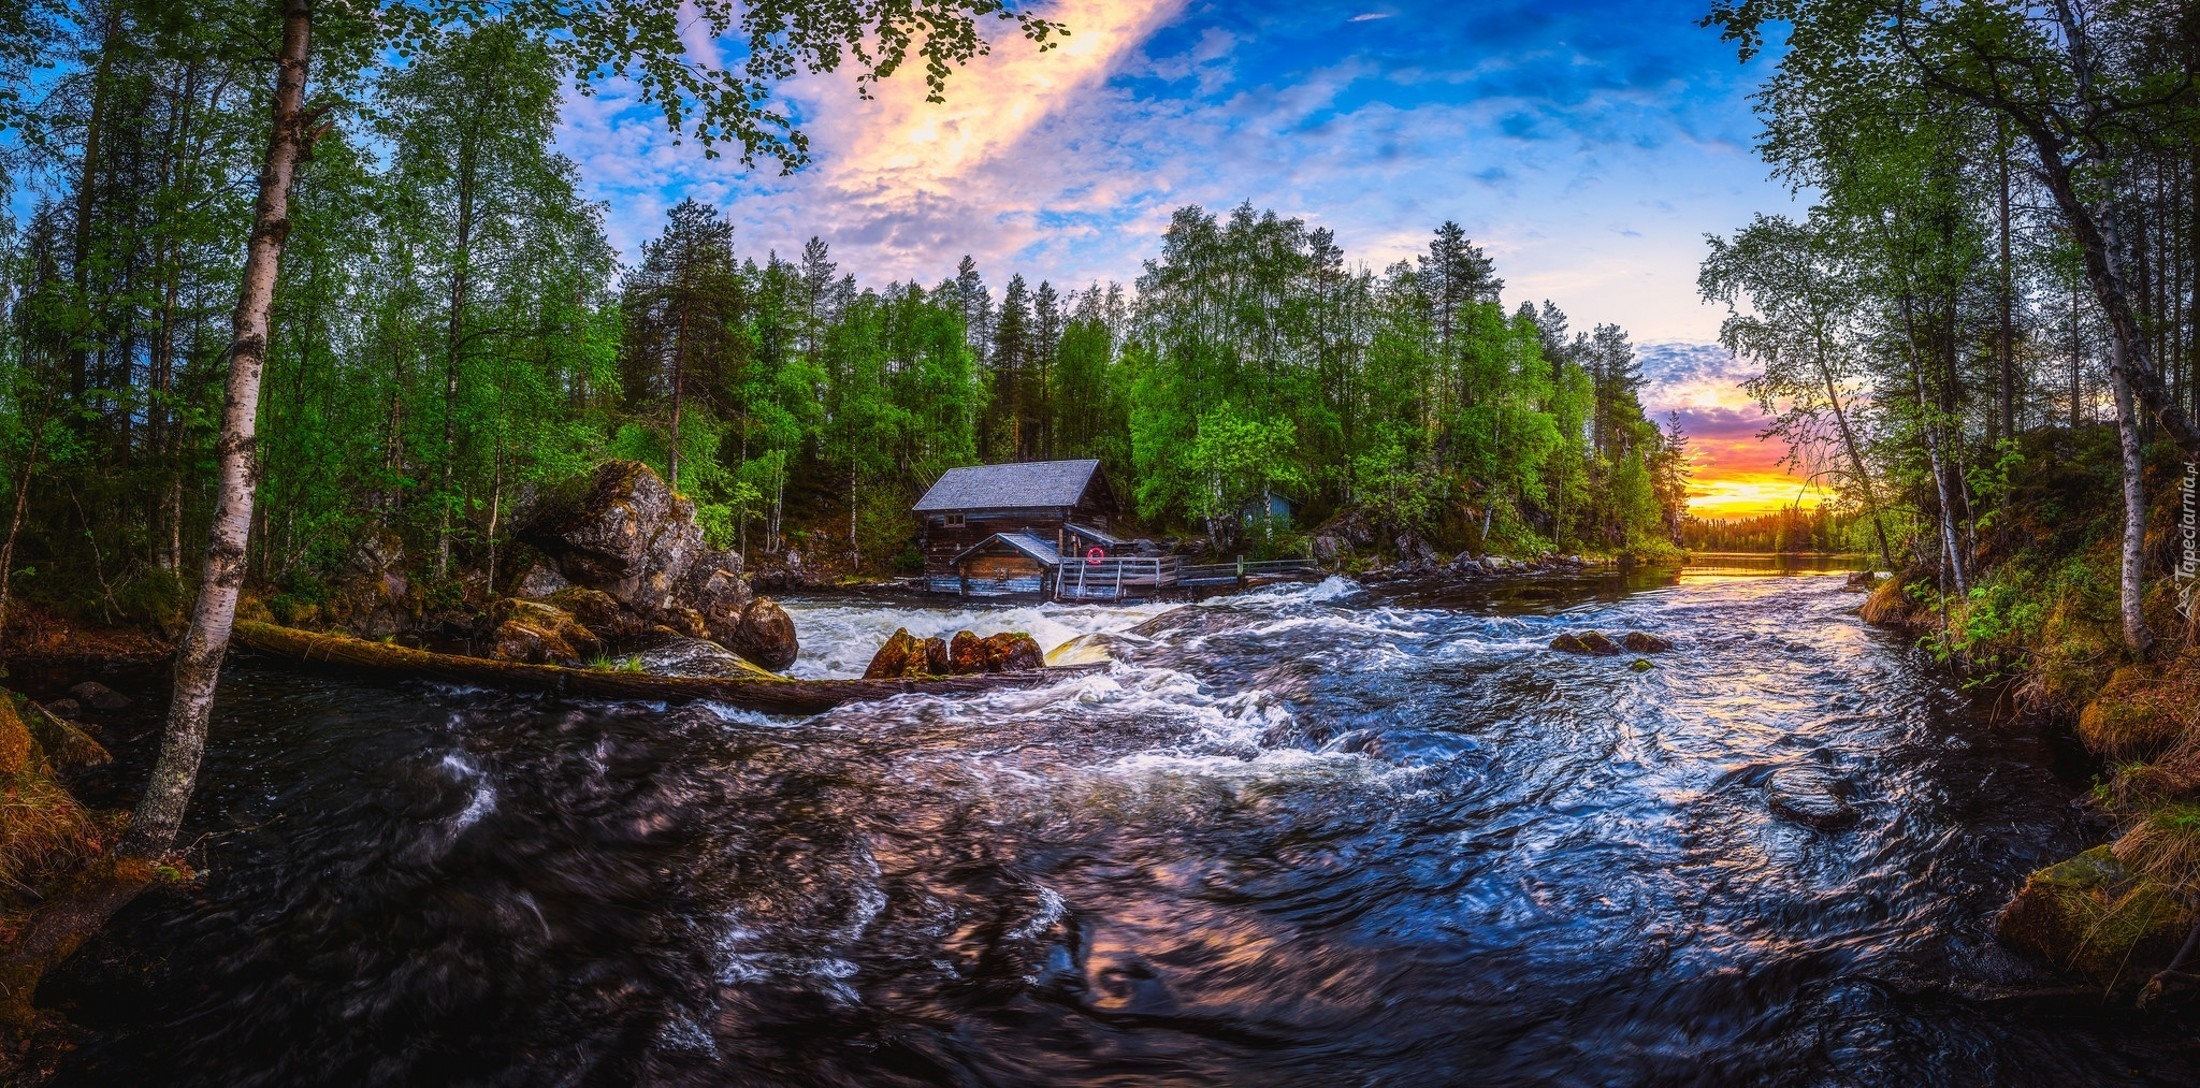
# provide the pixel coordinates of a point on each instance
(993, 529)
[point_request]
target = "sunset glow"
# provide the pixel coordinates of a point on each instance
(1737, 474)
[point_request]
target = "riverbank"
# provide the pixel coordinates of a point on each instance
(2039, 634)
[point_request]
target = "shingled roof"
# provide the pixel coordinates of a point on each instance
(1009, 487)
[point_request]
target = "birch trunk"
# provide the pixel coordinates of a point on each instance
(2137, 638)
(199, 660)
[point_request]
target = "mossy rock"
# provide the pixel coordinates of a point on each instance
(2092, 915)
(66, 746)
(2137, 715)
(1587, 642)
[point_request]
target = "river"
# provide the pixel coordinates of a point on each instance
(1307, 835)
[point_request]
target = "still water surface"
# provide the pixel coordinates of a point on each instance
(1308, 835)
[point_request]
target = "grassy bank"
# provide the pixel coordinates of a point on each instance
(2039, 632)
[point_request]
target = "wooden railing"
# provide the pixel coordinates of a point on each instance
(1110, 578)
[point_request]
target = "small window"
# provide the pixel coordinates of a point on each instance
(954, 521)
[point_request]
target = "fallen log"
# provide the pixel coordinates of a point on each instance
(772, 695)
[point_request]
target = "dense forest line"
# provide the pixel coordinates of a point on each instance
(452, 330)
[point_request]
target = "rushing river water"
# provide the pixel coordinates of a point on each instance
(1307, 835)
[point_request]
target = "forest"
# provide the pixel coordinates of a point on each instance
(452, 330)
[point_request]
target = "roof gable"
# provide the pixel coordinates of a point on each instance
(1041, 550)
(1009, 487)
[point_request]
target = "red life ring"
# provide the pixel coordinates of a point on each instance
(1094, 555)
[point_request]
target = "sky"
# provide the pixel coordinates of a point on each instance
(1587, 147)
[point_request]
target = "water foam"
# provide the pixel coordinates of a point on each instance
(838, 638)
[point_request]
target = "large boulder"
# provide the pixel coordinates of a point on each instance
(619, 529)
(598, 611)
(623, 553)
(764, 633)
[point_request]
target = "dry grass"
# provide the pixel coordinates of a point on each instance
(1888, 605)
(43, 831)
(2164, 847)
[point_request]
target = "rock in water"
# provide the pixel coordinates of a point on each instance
(1587, 642)
(764, 633)
(1811, 799)
(935, 657)
(901, 658)
(99, 696)
(1642, 642)
(1012, 651)
(965, 654)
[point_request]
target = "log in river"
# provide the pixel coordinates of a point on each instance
(769, 695)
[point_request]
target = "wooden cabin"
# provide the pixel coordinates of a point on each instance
(1006, 528)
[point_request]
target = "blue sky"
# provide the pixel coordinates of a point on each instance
(1588, 147)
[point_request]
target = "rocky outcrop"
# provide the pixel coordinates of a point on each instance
(2095, 916)
(907, 657)
(619, 529)
(623, 554)
(1643, 642)
(534, 633)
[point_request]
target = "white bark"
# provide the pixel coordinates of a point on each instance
(199, 660)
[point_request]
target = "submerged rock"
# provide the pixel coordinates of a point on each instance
(1643, 642)
(1587, 642)
(2093, 915)
(1811, 799)
(99, 696)
(66, 746)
